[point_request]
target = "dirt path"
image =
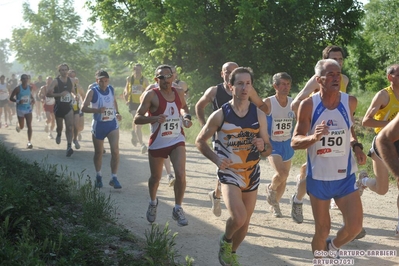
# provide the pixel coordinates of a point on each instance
(270, 241)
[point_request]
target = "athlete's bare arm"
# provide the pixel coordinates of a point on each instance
(359, 154)
(207, 131)
(208, 97)
(380, 100)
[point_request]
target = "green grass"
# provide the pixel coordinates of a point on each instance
(49, 216)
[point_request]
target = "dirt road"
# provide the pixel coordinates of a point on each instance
(270, 241)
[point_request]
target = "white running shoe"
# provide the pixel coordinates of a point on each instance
(216, 208)
(171, 180)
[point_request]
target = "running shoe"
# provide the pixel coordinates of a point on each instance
(361, 234)
(296, 210)
(134, 138)
(29, 145)
(359, 183)
(331, 253)
(152, 212)
(271, 197)
(69, 152)
(234, 260)
(216, 208)
(17, 129)
(115, 183)
(225, 256)
(50, 136)
(171, 180)
(58, 139)
(179, 216)
(275, 210)
(143, 148)
(77, 145)
(333, 205)
(99, 181)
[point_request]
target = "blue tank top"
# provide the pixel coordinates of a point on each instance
(24, 99)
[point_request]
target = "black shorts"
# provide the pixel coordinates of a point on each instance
(61, 110)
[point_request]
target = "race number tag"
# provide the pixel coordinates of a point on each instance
(282, 127)
(66, 99)
(136, 89)
(332, 145)
(24, 99)
(108, 114)
(170, 128)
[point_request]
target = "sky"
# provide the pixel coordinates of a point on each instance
(11, 16)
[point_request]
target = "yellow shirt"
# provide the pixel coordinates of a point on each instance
(388, 112)
(135, 90)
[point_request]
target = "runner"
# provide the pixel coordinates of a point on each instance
(104, 107)
(135, 86)
(48, 107)
(241, 138)
(383, 108)
(165, 106)
(4, 98)
(22, 96)
(324, 129)
(280, 119)
(219, 95)
(78, 118)
(62, 90)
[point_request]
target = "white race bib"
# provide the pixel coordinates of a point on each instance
(171, 128)
(282, 127)
(66, 99)
(136, 89)
(24, 99)
(332, 145)
(108, 114)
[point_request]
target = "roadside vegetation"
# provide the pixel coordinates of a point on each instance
(49, 216)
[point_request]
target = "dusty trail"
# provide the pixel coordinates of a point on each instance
(270, 241)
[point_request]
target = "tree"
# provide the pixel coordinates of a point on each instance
(53, 37)
(5, 66)
(200, 35)
(375, 46)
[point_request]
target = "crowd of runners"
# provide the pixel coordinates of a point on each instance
(244, 129)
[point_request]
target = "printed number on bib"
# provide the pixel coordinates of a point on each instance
(66, 99)
(24, 99)
(136, 89)
(282, 127)
(170, 128)
(332, 145)
(108, 114)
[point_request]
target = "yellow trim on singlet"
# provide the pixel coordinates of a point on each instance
(389, 111)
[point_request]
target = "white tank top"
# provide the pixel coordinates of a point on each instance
(3, 92)
(331, 158)
(280, 120)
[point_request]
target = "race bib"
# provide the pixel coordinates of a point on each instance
(282, 127)
(332, 145)
(136, 89)
(108, 114)
(66, 99)
(171, 128)
(50, 100)
(24, 99)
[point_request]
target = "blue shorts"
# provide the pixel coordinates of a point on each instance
(247, 179)
(283, 149)
(326, 190)
(100, 130)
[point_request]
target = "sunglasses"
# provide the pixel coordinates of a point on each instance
(164, 76)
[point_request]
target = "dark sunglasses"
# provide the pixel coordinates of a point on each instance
(164, 76)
